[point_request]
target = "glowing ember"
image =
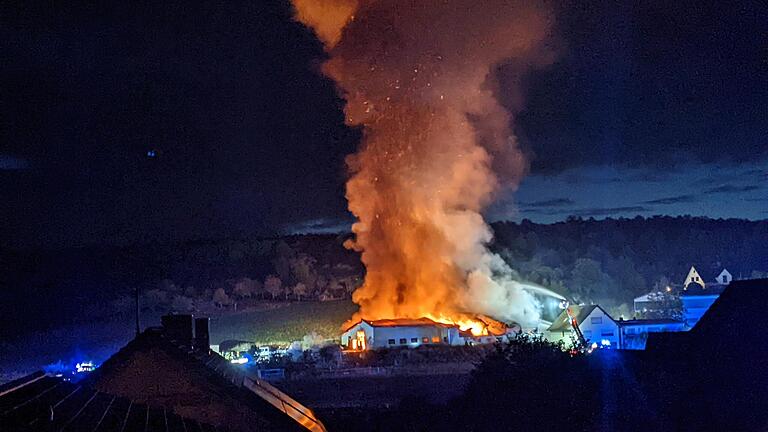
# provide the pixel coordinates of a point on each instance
(418, 77)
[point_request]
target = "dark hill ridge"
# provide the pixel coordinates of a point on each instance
(607, 261)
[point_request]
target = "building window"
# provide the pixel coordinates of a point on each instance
(402, 341)
(391, 341)
(435, 339)
(607, 333)
(414, 340)
(425, 340)
(445, 339)
(597, 320)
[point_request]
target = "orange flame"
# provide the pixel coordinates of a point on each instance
(417, 76)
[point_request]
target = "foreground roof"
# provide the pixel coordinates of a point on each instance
(735, 312)
(44, 402)
(200, 384)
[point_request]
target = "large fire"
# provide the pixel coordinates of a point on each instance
(418, 76)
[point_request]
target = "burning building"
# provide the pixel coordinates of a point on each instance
(404, 332)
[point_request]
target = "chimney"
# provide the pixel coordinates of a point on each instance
(178, 328)
(202, 333)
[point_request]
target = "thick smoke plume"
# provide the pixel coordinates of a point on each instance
(418, 76)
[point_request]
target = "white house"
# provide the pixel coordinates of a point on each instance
(693, 278)
(595, 323)
(373, 334)
(633, 334)
(655, 301)
(724, 278)
(390, 333)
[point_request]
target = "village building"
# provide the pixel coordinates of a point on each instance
(598, 327)
(594, 322)
(696, 300)
(633, 334)
(697, 295)
(655, 302)
(404, 332)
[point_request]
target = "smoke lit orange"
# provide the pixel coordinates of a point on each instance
(418, 76)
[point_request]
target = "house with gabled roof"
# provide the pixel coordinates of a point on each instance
(595, 323)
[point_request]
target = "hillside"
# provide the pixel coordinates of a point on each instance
(608, 261)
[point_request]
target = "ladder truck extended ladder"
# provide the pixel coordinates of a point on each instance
(575, 324)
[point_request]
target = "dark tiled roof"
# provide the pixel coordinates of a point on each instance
(694, 289)
(563, 323)
(198, 383)
(648, 322)
(42, 402)
(727, 326)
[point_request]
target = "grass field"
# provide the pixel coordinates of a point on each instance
(285, 323)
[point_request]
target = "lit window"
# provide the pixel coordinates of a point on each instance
(391, 341)
(425, 340)
(597, 320)
(435, 339)
(414, 340)
(402, 341)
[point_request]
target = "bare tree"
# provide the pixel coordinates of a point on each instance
(299, 290)
(246, 288)
(273, 285)
(220, 298)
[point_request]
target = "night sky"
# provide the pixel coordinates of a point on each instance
(166, 121)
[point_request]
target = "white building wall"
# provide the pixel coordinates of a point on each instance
(694, 308)
(410, 336)
(635, 336)
(347, 336)
(724, 277)
(598, 326)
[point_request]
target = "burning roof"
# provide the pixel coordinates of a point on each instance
(490, 325)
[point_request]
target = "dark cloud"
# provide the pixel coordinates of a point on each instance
(557, 202)
(590, 211)
(250, 138)
(729, 188)
(673, 200)
(691, 89)
(610, 211)
(10, 163)
(322, 225)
